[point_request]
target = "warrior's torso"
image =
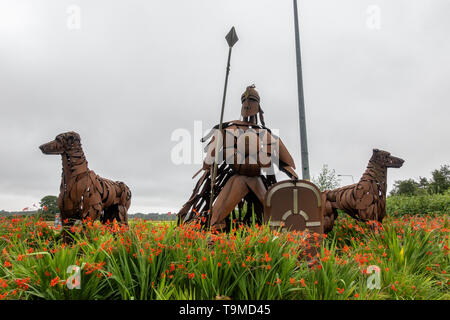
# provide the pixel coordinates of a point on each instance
(247, 147)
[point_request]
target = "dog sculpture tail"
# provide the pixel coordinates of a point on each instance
(125, 201)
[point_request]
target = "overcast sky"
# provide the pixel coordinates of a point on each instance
(126, 74)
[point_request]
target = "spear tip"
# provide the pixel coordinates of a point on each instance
(231, 37)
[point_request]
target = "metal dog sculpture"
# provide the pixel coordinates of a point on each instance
(365, 200)
(83, 193)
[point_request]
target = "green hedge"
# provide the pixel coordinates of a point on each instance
(425, 204)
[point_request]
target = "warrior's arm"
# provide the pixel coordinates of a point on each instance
(285, 161)
(287, 164)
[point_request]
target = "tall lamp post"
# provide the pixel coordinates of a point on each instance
(301, 100)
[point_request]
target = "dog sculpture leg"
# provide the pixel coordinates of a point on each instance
(92, 213)
(123, 215)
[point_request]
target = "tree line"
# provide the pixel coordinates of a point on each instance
(48, 208)
(439, 183)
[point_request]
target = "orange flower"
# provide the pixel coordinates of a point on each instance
(22, 283)
(54, 281)
(3, 284)
(302, 282)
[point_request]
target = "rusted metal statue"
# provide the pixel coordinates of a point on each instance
(83, 193)
(365, 200)
(248, 152)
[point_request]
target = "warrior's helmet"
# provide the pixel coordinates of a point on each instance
(250, 104)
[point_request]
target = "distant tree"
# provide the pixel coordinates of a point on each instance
(423, 186)
(440, 181)
(49, 204)
(48, 207)
(327, 179)
(423, 183)
(405, 188)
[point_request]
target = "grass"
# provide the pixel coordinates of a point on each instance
(162, 261)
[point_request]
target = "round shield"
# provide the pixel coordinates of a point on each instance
(294, 205)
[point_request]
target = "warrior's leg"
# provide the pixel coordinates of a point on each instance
(257, 186)
(232, 193)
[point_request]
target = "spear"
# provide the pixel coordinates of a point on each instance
(231, 38)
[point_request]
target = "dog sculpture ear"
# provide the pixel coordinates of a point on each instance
(73, 137)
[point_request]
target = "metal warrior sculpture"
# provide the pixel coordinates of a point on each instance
(83, 193)
(245, 148)
(365, 200)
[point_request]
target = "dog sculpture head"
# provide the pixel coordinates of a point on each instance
(385, 159)
(63, 142)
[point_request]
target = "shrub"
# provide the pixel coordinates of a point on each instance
(424, 204)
